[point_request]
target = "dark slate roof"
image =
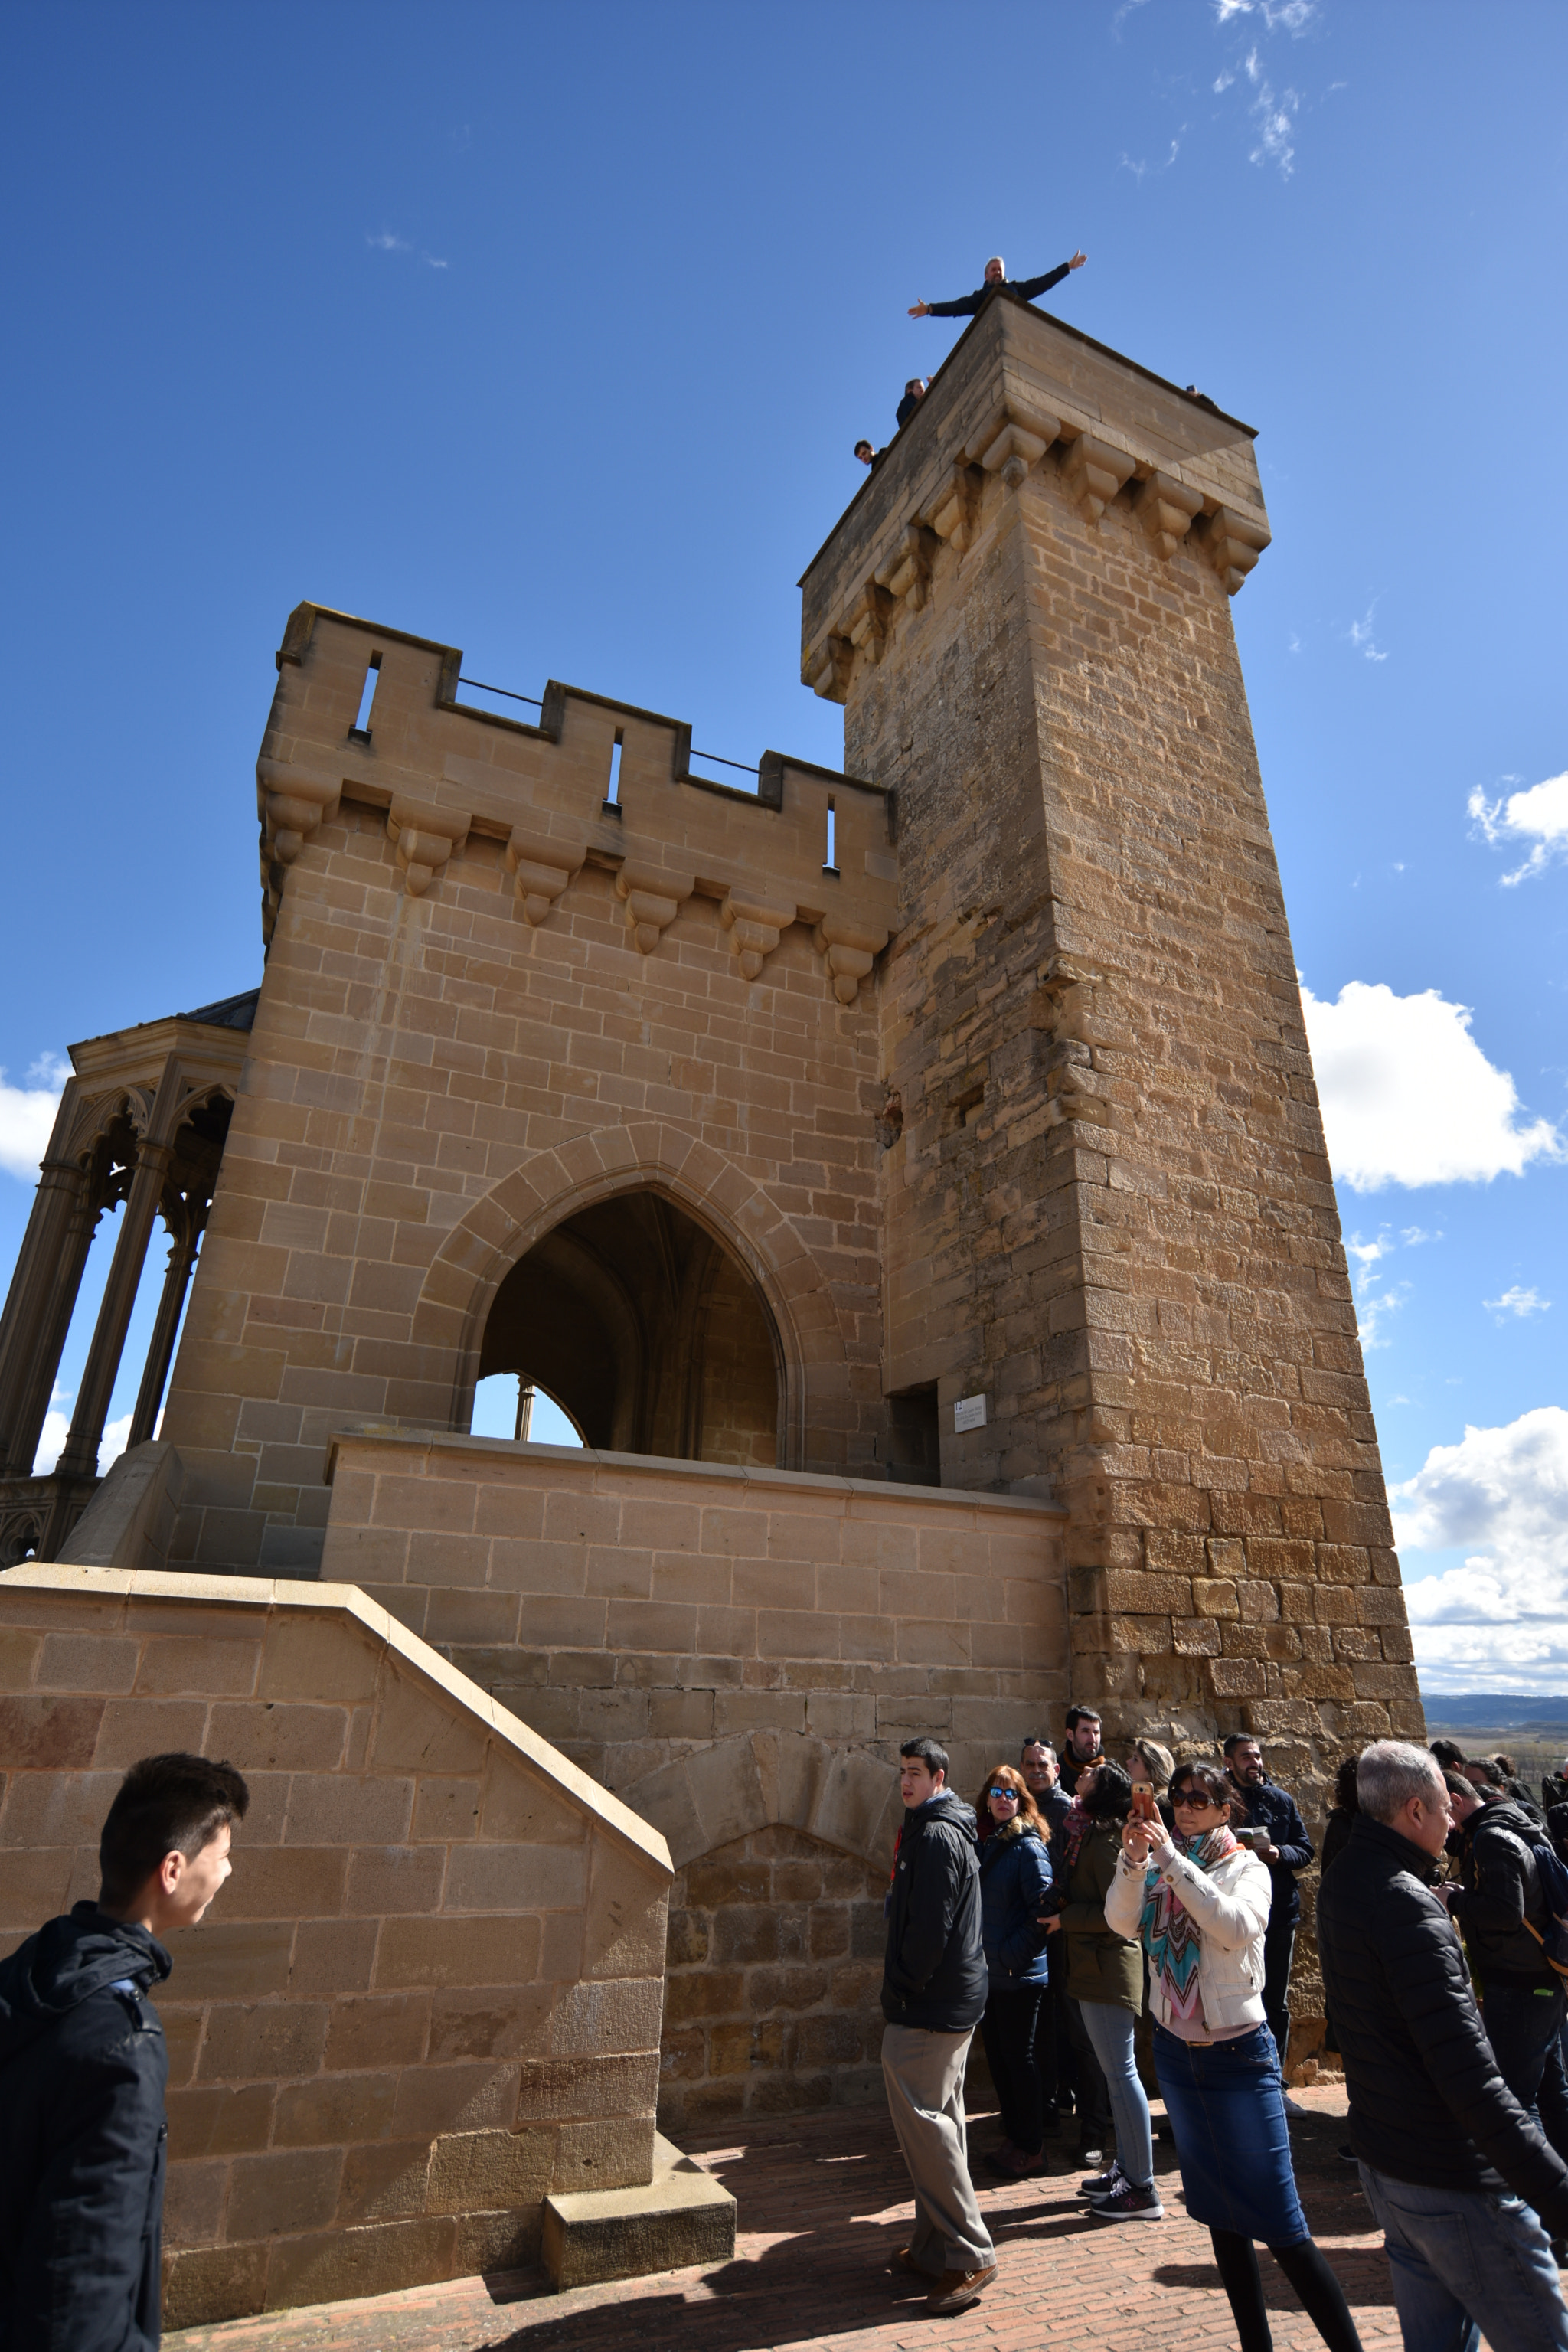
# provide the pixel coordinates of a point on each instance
(228, 1013)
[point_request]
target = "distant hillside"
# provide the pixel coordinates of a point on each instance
(1515, 1711)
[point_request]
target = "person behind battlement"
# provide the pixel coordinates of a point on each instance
(83, 2069)
(867, 454)
(1024, 289)
(1451, 2165)
(915, 391)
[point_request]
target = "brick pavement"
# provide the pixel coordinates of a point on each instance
(824, 2206)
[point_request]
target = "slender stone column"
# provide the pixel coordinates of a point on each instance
(191, 1220)
(50, 1270)
(79, 1457)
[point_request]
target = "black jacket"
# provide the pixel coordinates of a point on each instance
(1427, 2103)
(1499, 1890)
(1274, 1808)
(907, 407)
(935, 1975)
(1024, 289)
(82, 2074)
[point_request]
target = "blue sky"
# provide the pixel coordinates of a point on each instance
(549, 333)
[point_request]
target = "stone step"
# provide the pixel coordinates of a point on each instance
(681, 2218)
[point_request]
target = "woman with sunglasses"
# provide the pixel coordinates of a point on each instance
(1200, 1903)
(1015, 1881)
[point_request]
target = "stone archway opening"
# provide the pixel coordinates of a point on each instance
(648, 1332)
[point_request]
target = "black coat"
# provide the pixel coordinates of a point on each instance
(1274, 1808)
(1502, 1890)
(1427, 2103)
(934, 1976)
(1023, 289)
(82, 2074)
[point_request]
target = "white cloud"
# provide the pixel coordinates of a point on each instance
(1223, 82)
(1516, 1302)
(27, 1113)
(1539, 814)
(1374, 1305)
(386, 243)
(1501, 1621)
(1361, 637)
(1408, 1097)
(57, 1429)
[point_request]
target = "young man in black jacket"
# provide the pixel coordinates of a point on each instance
(83, 2070)
(1266, 1806)
(1450, 2163)
(1498, 1902)
(933, 1993)
(1024, 289)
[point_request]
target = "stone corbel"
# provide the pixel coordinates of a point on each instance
(907, 571)
(425, 838)
(1234, 541)
(1011, 441)
(828, 671)
(755, 918)
(292, 803)
(849, 951)
(1165, 510)
(654, 896)
(542, 865)
(867, 621)
(1094, 473)
(955, 513)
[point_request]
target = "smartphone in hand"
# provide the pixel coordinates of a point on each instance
(1144, 1809)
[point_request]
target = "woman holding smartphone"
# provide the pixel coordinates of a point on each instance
(1105, 1977)
(1199, 1901)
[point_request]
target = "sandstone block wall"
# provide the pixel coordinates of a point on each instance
(430, 1992)
(458, 1043)
(1110, 1207)
(737, 1654)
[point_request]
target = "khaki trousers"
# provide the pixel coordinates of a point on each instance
(924, 2075)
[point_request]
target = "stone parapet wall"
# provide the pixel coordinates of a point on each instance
(430, 1993)
(737, 1654)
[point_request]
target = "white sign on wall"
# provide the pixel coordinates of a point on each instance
(969, 1413)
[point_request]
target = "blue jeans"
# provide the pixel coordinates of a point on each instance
(1464, 2262)
(1109, 2029)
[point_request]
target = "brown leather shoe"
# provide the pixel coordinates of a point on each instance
(956, 2290)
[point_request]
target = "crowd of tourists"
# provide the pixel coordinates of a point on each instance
(1118, 1926)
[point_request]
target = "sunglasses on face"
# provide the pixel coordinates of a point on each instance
(1011, 1794)
(1195, 1798)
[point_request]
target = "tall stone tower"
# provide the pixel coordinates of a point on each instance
(1109, 1214)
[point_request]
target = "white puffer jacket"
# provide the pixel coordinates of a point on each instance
(1229, 1906)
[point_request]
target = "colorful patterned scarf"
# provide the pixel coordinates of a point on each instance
(1169, 1933)
(1067, 1841)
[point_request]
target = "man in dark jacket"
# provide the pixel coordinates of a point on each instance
(1023, 288)
(933, 1995)
(1080, 1749)
(83, 2069)
(1498, 1902)
(1450, 2163)
(1266, 1806)
(1037, 1762)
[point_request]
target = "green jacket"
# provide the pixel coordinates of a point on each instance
(1102, 1965)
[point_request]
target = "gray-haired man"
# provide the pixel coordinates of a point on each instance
(1450, 2163)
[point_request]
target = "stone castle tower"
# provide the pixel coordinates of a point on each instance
(910, 1180)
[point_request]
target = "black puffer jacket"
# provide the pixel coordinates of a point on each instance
(1427, 2103)
(82, 2075)
(1500, 1890)
(935, 1971)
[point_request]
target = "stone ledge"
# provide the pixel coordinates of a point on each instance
(586, 1461)
(682, 2218)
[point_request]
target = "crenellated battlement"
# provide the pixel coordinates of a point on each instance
(809, 846)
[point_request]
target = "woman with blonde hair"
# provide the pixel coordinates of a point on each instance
(1015, 1882)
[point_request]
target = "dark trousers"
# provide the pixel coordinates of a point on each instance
(1009, 2029)
(1278, 1950)
(1524, 2026)
(1047, 2058)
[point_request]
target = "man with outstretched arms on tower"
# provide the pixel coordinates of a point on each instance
(83, 2069)
(934, 1992)
(1025, 289)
